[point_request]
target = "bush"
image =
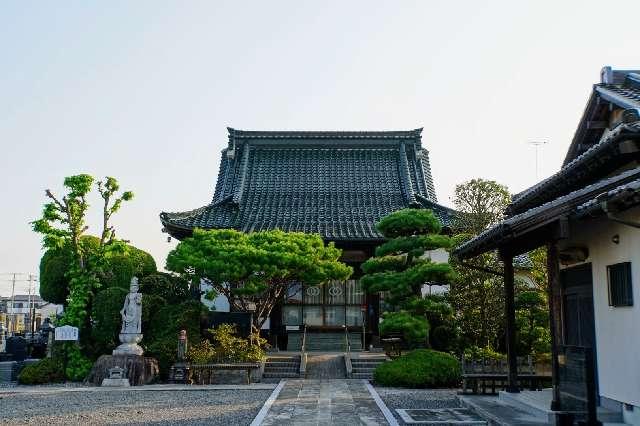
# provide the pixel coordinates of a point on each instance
(422, 368)
(48, 370)
(474, 352)
(227, 347)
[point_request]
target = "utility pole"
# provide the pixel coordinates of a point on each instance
(13, 304)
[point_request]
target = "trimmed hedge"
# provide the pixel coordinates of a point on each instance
(422, 368)
(47, 370)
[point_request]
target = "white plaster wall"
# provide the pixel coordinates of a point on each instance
(617, 329)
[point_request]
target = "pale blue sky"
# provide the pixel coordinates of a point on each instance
(144, 91)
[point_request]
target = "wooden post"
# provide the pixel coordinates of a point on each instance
(510, 316)
(555, 325)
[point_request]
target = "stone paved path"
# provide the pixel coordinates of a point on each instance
(324, 402)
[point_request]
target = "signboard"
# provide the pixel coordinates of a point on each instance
(66, 332)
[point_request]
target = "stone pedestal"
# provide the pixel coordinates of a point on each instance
(140, 370)
(129, 344)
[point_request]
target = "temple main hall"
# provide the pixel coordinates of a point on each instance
(338, 184)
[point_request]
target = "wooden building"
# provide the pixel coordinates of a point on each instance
(587, 215)
(336, 184)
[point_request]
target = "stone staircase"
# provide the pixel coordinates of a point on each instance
(282, 366)
(362, 367)
(324, 342)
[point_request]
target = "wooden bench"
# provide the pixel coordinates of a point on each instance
(490, 374)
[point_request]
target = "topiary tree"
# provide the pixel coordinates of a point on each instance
(119, 266)
(255, 269)
(402, 266)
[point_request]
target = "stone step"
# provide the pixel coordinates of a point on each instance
(355, 375)
(283, 363)
(280, 375)
(282, 368)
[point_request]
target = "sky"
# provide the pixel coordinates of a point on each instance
(143, 91)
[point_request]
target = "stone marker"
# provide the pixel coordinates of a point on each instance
(179, 372)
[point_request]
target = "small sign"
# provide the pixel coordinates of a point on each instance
(66, 332)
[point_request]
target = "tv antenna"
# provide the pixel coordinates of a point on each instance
(537, 145)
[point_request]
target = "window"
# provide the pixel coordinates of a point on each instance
(620, 289)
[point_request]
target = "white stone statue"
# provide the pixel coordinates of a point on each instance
(131, 331)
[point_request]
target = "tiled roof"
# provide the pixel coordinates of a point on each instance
(566, 205)
(337, 184)
(618, 89)
(619, 198)
(601, 159)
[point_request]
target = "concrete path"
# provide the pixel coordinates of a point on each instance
(324, 402)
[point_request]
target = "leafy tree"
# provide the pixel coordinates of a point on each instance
(477, 296)
(401, 267)
(255, 269)
(63, 226)
(532, 320)
(532, 308)
(480, 203)
(171, 288)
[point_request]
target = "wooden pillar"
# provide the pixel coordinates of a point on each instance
(510, 316)
(555, 312)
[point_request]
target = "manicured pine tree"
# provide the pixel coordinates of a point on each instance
(401, 267)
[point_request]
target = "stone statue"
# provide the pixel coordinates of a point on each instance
(131, 331)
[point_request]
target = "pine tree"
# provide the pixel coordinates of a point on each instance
(402, 266)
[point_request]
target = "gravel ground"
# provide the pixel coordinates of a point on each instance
(203, 407)
(417, 398)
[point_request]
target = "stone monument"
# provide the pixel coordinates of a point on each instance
(126, 366)
(131, 331)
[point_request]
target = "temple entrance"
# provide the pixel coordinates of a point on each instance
(578, 320)
(332, 305)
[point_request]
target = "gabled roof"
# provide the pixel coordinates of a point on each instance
(617, 89)
(337, 184)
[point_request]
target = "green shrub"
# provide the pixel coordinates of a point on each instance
(47, 370)
(474, 352)
(226, 346)
(422, 368)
